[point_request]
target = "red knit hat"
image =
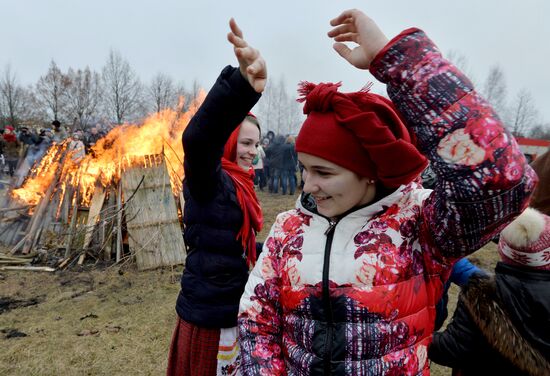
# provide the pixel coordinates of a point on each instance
(360, 131)
(526, 241)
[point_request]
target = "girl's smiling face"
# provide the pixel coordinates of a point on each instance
(334, 188)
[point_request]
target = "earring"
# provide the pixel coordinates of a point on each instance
(370, 181)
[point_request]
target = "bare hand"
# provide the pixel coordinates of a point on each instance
(355, 26)
(251, 63)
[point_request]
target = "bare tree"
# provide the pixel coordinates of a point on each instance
(162, 92)
(462, 63)
(33, 108)
(122, 88)
(541, 131)
(279, 111)
(51, 90)
(295, 116)
(265, 105)
(494, 90)
(184, 99)
(524, 114)
(11, 97)
(195, 90)
(83, 95)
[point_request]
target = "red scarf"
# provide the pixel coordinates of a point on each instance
(10, 137)
(246, 196)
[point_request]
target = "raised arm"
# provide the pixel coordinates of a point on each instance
(235, 92)
(484, 181)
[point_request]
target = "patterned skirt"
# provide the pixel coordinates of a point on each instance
(197, 351)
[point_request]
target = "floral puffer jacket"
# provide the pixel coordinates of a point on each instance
(357, 296)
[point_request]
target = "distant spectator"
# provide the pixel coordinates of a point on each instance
(31, 152)
(267, 172)
(45, 141)
(77, 148)
(258, 164)
(275, 159)
(270, 135)
(28, 137)
(59, 133)
(289, 166)
(91, 139)
(11, 149)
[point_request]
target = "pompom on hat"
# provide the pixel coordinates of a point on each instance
(359, 131)
(526, 241)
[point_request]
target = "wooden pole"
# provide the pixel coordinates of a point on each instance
(19, 245)
(36, 221)
(95, 208)
(29, 268)
(72, 227)
(119, 222)
(5, 210)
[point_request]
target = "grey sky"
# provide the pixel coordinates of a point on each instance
(186, 39)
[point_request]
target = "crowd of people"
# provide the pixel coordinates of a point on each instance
(25, 146)
(276, 164)
(352, 281)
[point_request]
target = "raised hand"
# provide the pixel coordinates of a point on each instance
(355, 26)
(251, 63)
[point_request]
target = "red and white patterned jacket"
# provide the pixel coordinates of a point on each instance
(357, 296)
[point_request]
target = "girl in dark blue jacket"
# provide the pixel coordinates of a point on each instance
(222, 216)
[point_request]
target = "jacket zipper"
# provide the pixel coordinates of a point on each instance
(326, 298)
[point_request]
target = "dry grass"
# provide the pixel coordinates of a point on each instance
(108, 321)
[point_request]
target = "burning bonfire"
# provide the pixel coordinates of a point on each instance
(125, 191)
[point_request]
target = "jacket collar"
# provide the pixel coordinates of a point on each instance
(524, 273)
(306, 204)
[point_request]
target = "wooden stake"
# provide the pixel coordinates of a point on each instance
(36, 221)
(72, 227)
(95, 208)
(119, 222)
(5, 210)
(18, 245)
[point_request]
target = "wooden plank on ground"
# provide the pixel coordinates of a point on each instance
(155, 235)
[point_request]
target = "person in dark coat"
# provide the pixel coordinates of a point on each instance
(289, 165)
(222, 216)
(275, 157)
(501, 325)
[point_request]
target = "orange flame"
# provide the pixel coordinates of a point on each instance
(124, 146)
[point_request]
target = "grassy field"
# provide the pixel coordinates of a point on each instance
(106, 320)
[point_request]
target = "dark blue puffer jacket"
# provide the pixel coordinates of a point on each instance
(215, 271)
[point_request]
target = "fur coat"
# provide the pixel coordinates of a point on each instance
(500, 326)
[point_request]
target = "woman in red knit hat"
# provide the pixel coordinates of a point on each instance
(347, 282)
